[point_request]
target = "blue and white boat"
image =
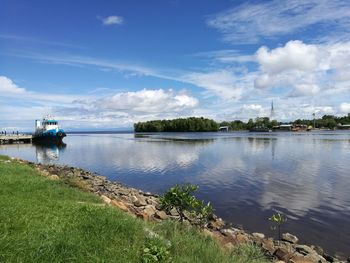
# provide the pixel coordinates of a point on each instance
(48, 130)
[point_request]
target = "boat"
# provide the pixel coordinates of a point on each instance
(48, 130)
(260, 129)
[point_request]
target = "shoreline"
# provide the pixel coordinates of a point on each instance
(145, 205)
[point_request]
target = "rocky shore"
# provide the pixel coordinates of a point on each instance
(146, 205)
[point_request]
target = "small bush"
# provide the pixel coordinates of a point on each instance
(155, 250)
(277, 219)
(182, 199)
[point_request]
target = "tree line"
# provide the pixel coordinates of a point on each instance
(191, 124)
(194, 124)
(327, 121)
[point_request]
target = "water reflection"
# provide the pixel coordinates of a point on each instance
(48, 152)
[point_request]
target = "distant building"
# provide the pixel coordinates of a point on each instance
(224, 128)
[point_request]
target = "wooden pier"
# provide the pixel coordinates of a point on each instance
(14, 138)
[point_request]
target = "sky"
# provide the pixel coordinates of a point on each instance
(97, 65)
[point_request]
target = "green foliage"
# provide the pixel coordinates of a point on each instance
(155, 250)
(277, 220)
(327, 121)
(181, 198)
(191, 124)
(194, 124)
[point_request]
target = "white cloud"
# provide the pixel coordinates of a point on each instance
(253, 111)
(124, 108)
(304, 69)
(8, 87)
(112, 20)
(223, 84)
(295, 55)
(148, 101)
(344, 107)
(249, 22)
(305, 90)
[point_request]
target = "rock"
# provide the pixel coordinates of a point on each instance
(242, 238)
(120, 205)
(318, 249)
(106, 199)
(304, 250)
(158, 206)
(148, 212)
(173, 212)
(267, 245)
(300, 259)
(328, 257)
(138, 201)
(228, 232)
(161, 215)
(258, 235)
(282, 254)
(216, 224)
(290, 238)
(314, 257)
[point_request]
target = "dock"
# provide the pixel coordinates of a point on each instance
(15, 138)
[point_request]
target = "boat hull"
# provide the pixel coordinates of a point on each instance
(50, 136)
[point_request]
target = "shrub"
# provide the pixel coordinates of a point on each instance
(155, 251)
(277, 219)
(181, 198)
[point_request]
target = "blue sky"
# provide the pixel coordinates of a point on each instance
(103, 65)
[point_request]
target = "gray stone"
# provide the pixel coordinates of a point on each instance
(290, 238)
(258, 235)
(228, 232)
(149, 211)
(305, 250)
(216, 224)
(328, 257)
(161, 215)
(282, 254)
(106, 199)
(138, 201)
(173, 212)
(267, 245)
(318, 249)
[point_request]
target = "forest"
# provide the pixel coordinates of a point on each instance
(195, 124)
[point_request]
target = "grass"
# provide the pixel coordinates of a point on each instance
(50, 221)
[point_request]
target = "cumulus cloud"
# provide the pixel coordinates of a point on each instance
(8, 86)
(295, 55)
(148, 101)
(250, 22)
(344, 107)
(306, 69)
(112, 20)
(124, 108)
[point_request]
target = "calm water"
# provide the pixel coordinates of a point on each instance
(246, 176)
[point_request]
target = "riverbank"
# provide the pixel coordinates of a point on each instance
(46, 218)
(138, 204)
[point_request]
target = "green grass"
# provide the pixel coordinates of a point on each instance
(49, 221)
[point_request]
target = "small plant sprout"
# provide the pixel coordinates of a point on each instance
(277, 220)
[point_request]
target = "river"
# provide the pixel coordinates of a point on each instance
(246, 176)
